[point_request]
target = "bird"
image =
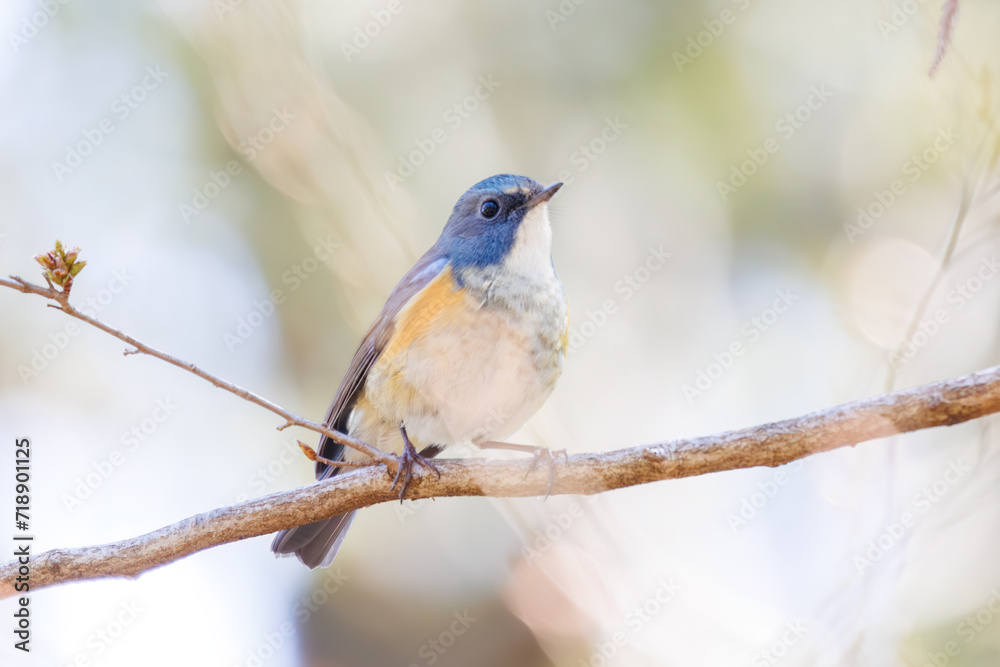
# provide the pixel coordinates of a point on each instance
(469, 345)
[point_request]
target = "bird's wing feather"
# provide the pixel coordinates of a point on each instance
(375, 341)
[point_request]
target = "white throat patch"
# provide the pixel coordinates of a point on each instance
(531, 254)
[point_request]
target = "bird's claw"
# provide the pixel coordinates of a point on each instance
(404, 467)
(544, 452)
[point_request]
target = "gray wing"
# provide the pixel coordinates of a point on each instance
(316, 544)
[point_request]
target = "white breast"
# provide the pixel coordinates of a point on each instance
(482, 386)
(501, 363)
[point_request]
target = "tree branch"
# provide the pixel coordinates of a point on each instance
(291, 419)
(937, 404)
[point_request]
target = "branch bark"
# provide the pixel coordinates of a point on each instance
(937, 404)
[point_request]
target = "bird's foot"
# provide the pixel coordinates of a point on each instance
(546, 453)
(404, 465)
(537, 454)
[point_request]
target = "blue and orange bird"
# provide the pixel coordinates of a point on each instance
(467, 348)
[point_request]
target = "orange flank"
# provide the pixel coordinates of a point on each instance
(436, 304)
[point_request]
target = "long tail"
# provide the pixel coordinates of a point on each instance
(314, 544)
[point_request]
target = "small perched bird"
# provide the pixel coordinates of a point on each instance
(467, 348)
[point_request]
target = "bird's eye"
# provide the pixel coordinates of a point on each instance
(489, 208)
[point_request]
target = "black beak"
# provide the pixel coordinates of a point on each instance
(543, 196)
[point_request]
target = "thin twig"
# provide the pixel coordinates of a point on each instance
(954, 232)
(291, 419)
(938, 404)
(948, 15)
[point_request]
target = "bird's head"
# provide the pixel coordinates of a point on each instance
(501, 222)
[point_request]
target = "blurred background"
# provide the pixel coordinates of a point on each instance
(248, 180)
